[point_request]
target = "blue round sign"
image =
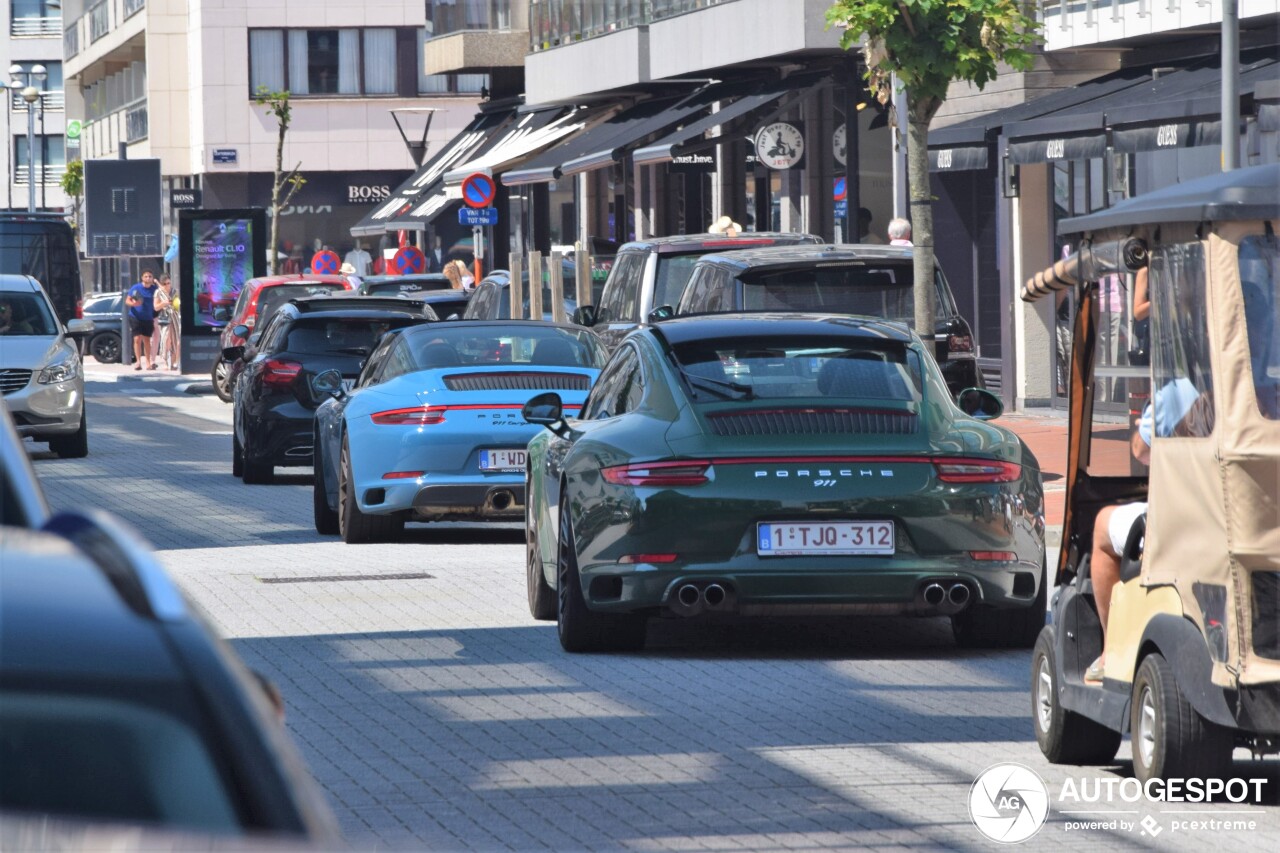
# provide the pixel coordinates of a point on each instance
(325, 263)
(478, 190)
(409, 260)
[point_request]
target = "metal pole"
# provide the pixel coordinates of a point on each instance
(1230, 85)
(31, 157)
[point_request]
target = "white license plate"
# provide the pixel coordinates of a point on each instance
(348, 384)
(503, 460)
(803, 538)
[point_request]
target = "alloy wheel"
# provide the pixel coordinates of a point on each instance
(1044, 696)
(1147, 726)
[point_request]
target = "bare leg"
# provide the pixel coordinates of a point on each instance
(141, 344)
(1104, 565)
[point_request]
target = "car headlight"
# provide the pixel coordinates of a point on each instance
(62, 371)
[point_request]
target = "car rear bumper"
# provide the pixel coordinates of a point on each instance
(433, 497)
(282, 441)
(811, 586)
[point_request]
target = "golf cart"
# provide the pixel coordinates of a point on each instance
(1192, 643)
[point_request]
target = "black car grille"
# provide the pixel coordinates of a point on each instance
(517, 382)
(12, 380)
(813, 421)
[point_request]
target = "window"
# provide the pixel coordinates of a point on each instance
(603, 402)
(1259, 258)
(51, 158)
(324, 62)
(36, 18)
(1182, 393)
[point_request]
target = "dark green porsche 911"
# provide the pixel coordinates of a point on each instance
(780, 464)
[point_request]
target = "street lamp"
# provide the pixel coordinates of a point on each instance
(23, 80)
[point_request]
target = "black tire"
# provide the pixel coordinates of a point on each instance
(254, 472)
(326, 519)
(542, 598)
(356, 527)
(1170, 739)
(237, 456)
(581, 629)
(1065, 737)
(980, 627)
(221, 376)
(105, 347)
(74, 446)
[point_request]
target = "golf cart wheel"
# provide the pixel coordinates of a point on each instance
(1170, 738)
(1065, 737)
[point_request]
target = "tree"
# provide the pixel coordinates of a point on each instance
(72, 184)
(929, 44)
(277, 105)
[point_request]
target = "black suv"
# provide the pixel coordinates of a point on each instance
(875, 281)
(273, 396)
(650, 273)
(117, 700)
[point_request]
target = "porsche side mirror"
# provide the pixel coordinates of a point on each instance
(328, 382)
(584, 315)
(662, 312)
(980, 403)
(546, 410)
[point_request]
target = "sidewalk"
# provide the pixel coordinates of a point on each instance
(96, 371)
(1045, 432)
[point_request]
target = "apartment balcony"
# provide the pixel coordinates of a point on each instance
(53, 102)
(475, 36)
(28, 27)
(1083, 23)
(579, 47)
(101, 137)
(103, 28)
(50, 174)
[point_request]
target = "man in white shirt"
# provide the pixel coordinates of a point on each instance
(359, 259)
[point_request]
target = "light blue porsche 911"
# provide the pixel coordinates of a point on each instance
(432, 429)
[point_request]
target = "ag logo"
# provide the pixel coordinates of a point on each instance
(1008, 803)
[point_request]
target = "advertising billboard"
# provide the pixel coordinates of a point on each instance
(219, 251)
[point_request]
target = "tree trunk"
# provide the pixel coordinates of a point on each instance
(272, 250)
(920, 200)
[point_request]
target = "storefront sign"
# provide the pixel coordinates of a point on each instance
(186, 198)
(1186, 134)
(367, 193)
(693, 163)
(958, 158)
(1084, 147)
(780, 145)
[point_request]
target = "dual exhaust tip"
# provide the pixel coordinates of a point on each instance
(691, 599)
(947, 597)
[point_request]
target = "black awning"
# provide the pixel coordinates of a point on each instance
(1158, 137)
(749, 99)
(420, 184)
(1047, 149)
(958, 158)
(633, 132)
(533, 131)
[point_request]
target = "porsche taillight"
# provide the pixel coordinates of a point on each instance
(976, 470)
(683, 472)
(413, 416)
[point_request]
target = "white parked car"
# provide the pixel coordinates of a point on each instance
(40, 372)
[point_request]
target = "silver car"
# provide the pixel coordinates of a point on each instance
(40, 372)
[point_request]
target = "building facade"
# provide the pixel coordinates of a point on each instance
(177, 80)
(34, 37)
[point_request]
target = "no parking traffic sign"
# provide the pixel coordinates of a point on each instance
(478, 190)
(325, 263)
(409, 260)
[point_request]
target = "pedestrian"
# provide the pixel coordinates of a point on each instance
(166, 309)
(726, 226)
(459, 276)
(142, 314)
(865, 233)
(899, 232)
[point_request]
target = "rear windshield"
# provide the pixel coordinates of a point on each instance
(875, 290)
(273, 297)
(446, 308)
(450, 345)
(316, 336)
(25, 314)
(833, 368)
(417, 285)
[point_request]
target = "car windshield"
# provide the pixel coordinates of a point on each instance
(451, 345)
(320, 336)
(398, 284)
(273, 297)
(672, 277)
(775, 368)
(871, 289)
(25, 314)
(504, 304)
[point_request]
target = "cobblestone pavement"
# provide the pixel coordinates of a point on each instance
(438, 715)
